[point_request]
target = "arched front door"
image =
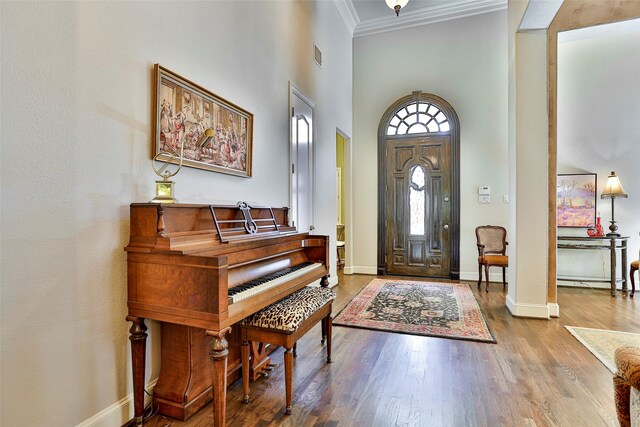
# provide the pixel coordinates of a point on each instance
(418, 226)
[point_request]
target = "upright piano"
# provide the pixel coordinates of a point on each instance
(198, 269)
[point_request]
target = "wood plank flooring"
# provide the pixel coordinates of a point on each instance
(536, 375)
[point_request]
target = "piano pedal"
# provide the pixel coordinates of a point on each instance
(268, 368)
(264, 374)
(272, 365)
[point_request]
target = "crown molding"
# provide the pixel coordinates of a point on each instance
(427, 15)
(348, 14)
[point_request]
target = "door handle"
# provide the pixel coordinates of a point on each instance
(446, 226)
(446, 199)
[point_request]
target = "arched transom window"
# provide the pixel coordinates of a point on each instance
(418, 117)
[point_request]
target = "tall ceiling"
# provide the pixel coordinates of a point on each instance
(370, 9)
(374, 16)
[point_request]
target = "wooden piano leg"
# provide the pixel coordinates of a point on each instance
(218, 354)
(138, 340)
(328, 322)
(324, 282)
(244, 349)
(323, 327)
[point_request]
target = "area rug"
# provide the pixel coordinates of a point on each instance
(602, 343)
(447, 310)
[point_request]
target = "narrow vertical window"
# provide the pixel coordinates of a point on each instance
(416, 201)
(303, 153)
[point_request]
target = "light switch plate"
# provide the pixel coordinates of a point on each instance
(484, 199)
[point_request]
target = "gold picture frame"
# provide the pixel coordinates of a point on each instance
(184, 110)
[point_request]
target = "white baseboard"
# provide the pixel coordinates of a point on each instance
(578, 283)
(333, 281)
(359, 269)
(537, 311)
(119, 413)
(554, 309)
(347, 270)
(473, 276)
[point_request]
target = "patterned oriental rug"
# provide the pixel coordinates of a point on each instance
(603, 343)
(447, 310)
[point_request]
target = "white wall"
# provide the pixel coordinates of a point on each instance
(76, 109)
(598, 130)
(463, 61)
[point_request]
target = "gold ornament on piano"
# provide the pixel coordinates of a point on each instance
(164, 188)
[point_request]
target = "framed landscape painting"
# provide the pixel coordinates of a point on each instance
(576, 200)
(184, 110)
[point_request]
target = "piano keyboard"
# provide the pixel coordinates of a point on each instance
(246, 290)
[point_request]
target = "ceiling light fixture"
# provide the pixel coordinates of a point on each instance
(396, 5)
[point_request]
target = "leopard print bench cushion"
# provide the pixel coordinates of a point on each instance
(288, 314)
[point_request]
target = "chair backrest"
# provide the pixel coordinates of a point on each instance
(494, 239)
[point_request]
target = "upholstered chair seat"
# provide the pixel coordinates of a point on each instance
(287, 314)
(626, 384)
(497, 260)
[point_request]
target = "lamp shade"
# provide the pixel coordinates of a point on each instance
(613, 188)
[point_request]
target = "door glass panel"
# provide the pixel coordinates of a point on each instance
(417, 128)
(302, 173)
(418, 118)
(416, 202)
(433, 126)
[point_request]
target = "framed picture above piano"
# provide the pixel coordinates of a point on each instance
(184, 111)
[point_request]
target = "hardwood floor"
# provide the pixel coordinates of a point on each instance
(536, 375)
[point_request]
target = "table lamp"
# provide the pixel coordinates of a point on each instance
(613, 190)
(164, 188)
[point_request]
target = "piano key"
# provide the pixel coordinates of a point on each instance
(238, 293)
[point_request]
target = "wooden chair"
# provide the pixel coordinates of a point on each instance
(492, 247)
(634, 267)
(283, 323)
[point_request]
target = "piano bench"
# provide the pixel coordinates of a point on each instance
(283, 323)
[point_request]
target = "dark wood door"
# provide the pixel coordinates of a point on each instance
(418, 206)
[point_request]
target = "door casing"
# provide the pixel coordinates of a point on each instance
(454, 233)
(301, 168)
